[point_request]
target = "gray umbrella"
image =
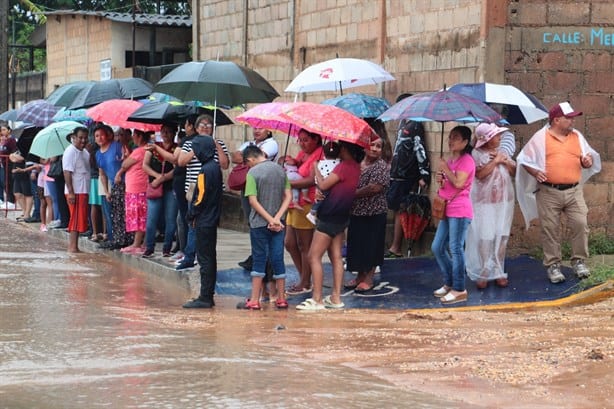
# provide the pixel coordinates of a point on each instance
(65, 95)
(222, 83)
(100, 91)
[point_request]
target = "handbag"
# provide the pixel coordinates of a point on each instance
(439, 205)
(55, 169)
(237, 176)
(155, 192)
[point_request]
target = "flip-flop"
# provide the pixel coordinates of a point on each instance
(351, 285)
(310, 305)
(328, 303)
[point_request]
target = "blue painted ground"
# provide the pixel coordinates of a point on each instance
(409, 283)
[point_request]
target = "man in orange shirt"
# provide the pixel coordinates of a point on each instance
(555, 164)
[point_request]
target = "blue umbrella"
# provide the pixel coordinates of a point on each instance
(360, 105)
(78, 115)
(521, 107)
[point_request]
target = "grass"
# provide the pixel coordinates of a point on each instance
(599, 274)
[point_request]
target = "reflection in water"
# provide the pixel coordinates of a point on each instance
(84, 331)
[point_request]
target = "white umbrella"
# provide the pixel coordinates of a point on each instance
(522, 107)
(338, 74)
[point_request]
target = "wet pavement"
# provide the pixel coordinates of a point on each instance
(85, 330)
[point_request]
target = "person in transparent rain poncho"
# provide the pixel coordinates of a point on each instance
(493, 200)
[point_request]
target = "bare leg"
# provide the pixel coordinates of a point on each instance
(256, 289)
(397, 235)
(319, 245)
(73, 242)
(334, 254)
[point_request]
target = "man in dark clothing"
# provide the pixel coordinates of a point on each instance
(410, 169)
(204, 215)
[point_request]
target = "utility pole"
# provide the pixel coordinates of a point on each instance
(4, 55)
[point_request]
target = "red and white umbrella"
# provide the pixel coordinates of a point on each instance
(338, 74)
(116, 112)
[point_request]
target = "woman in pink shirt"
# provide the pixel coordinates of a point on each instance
(455, 178)
(136, 186)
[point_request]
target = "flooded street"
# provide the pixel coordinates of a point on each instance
(81, 331)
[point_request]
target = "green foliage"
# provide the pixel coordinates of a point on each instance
(598, 243)
(599, 274)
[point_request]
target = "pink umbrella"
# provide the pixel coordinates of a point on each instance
(268, 116)
(326, 120)
(116, 112)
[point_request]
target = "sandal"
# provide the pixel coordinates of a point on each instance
(296, 289)
(310, 305)
(390, 254)
(281, 303)
(442, 291)
(249, 305)
(450, 298)
(352, 284)
(364, 287)
(502, 282)
(328, 303)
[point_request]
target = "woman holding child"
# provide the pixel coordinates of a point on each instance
(299, 230)
(333, 219)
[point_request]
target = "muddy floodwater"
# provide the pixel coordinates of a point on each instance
(84, 331)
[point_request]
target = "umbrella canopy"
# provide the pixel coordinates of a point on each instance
(222, 83)
(360, 105)
(64, 96)
(38, 112)
(522, 108)
(51, 141)
(10, 115)
(338, 74)
(268, 116)
(441, 106)
(326, 120)
(116, 112)
(100, 91)
(78, 115)
(160, 112)
(25, 135)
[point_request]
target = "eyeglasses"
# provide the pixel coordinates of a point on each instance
(201, 125)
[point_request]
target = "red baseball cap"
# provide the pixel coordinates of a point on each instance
(562, 109)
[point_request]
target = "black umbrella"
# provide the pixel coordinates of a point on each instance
(65, 95)
(25, 135)
(100, 91)
(160, 112)
(221, 83)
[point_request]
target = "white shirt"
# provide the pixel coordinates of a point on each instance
(78, 163)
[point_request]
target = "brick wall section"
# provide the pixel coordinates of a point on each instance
(432, 43)
(553, 62)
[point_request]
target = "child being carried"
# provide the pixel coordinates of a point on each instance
(325, 166)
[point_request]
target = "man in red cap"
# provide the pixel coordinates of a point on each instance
(553, 167)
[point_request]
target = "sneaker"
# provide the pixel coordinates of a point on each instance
(53, 224)
(177, 256)
(312, 218)
(43, 227)
(184, 265)
(554, 273)
(580, 269)
(166, 252)
(148, 254)
(198, 303)
(248, 305)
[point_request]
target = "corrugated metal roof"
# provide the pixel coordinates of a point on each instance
(158, 20)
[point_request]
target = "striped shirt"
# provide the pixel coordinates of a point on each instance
(194, 165)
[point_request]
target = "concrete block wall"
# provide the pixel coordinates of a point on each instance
(563, 50)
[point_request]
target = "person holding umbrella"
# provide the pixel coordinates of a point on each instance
(455, 178)
(410, 169)
(76, 166)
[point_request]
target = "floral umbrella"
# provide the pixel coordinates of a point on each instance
(268, 116)
(360, 105)
(116, 112)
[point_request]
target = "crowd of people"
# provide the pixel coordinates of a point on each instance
(126, 190)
